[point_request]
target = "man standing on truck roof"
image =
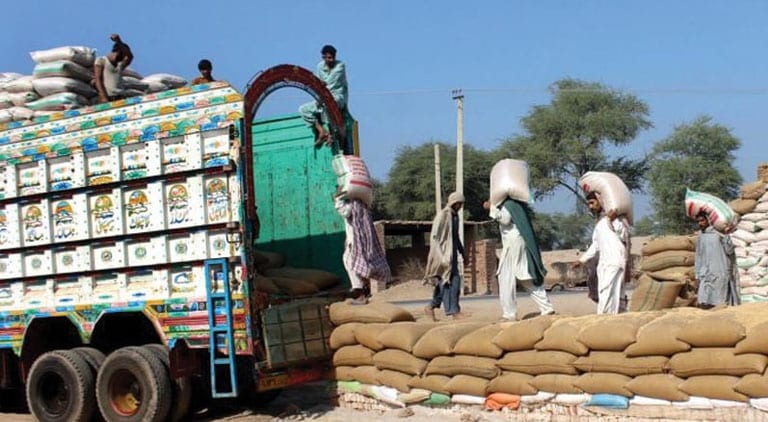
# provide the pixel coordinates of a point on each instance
(520, 261)
(206, 73)
(333, 72)
(443, 260)
(108, 71)
(363, 255)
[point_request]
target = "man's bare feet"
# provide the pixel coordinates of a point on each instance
(461, 315)
(429, 311)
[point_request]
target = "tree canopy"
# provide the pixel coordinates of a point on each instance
(568, 137)
(697, 155)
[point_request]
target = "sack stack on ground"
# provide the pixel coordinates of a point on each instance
(613, 193)
(751, 240)
(683, 358)
(510, 179)
(666, 274)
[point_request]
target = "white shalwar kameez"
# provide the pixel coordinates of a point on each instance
(612, 261)
(344, 209)
(513, 269)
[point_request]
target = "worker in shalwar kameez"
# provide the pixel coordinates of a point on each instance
(363, 256)
(715, 267)
(610, 245)
(333, 72)
(520, 261)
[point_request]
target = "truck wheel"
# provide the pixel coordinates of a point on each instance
(133, 386)
(182, 387)
(92, 356)
(60, 387)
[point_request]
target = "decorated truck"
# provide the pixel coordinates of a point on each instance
(128, 276)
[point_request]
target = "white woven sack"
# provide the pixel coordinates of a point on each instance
(169, 80)
(510, 178)
(614, 194)
(21, 84)
(55, 85)
(744, 235)
(81, 55)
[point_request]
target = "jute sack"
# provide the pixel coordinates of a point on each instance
(463, 365)
(563, 336)
(658, 386)
(434, 383)
(367, 335)
(743, 206)
(394, 379)
(716, 361)
(713, 387)
(556, 383)
(343, 312)
(480, 343)
(293, 287)
(512, 383)
(753, 190)
(659, 337)
(353, 356)
(663, 260)
(343, 335)
(681, 274)
(654, 295)
(398, 360)
(266, 260)
(537, 362)
(440, 340)
(321, 279)
(669, 243)
(366, 374)
(756, 340)
(713, 330)
(404, 335)
(344, 373)
(612, 332)
(604, 383)
(523, 335)
(617, 362)
(266, 285)
(466, 384)
(753, 385)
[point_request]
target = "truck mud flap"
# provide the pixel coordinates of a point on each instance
(297, 332)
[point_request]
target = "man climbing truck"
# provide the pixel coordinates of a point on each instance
(127, 269)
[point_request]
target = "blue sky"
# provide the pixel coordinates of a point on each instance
(684, 58)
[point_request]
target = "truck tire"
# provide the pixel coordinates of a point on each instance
(182, 387)
(133, 386)
(60, 387)
(92, 356)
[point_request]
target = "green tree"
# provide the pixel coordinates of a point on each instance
(562, 231)
(568, 137)
(410, 189)
(646, 226)
(697, 155)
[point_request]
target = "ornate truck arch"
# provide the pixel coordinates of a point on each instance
(269, 81)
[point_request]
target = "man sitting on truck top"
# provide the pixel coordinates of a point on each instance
(334, 74)
(108, 71)
(206, 73)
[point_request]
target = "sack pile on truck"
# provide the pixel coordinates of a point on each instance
(275, 278)
(750, 238)
(353, 178)
(613, 193)
(510, 179)
(666, 274)
(677, 359)
(62, 77)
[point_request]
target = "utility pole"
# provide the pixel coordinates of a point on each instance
(458, 95)
(438, 194)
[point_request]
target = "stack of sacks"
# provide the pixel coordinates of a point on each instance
(16, 91)
(62, 77)
(684, 357)
(666, 274)
(751, 241)
(162, 81)
(277, 279)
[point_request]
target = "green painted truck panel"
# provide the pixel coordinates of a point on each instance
(294, 183)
